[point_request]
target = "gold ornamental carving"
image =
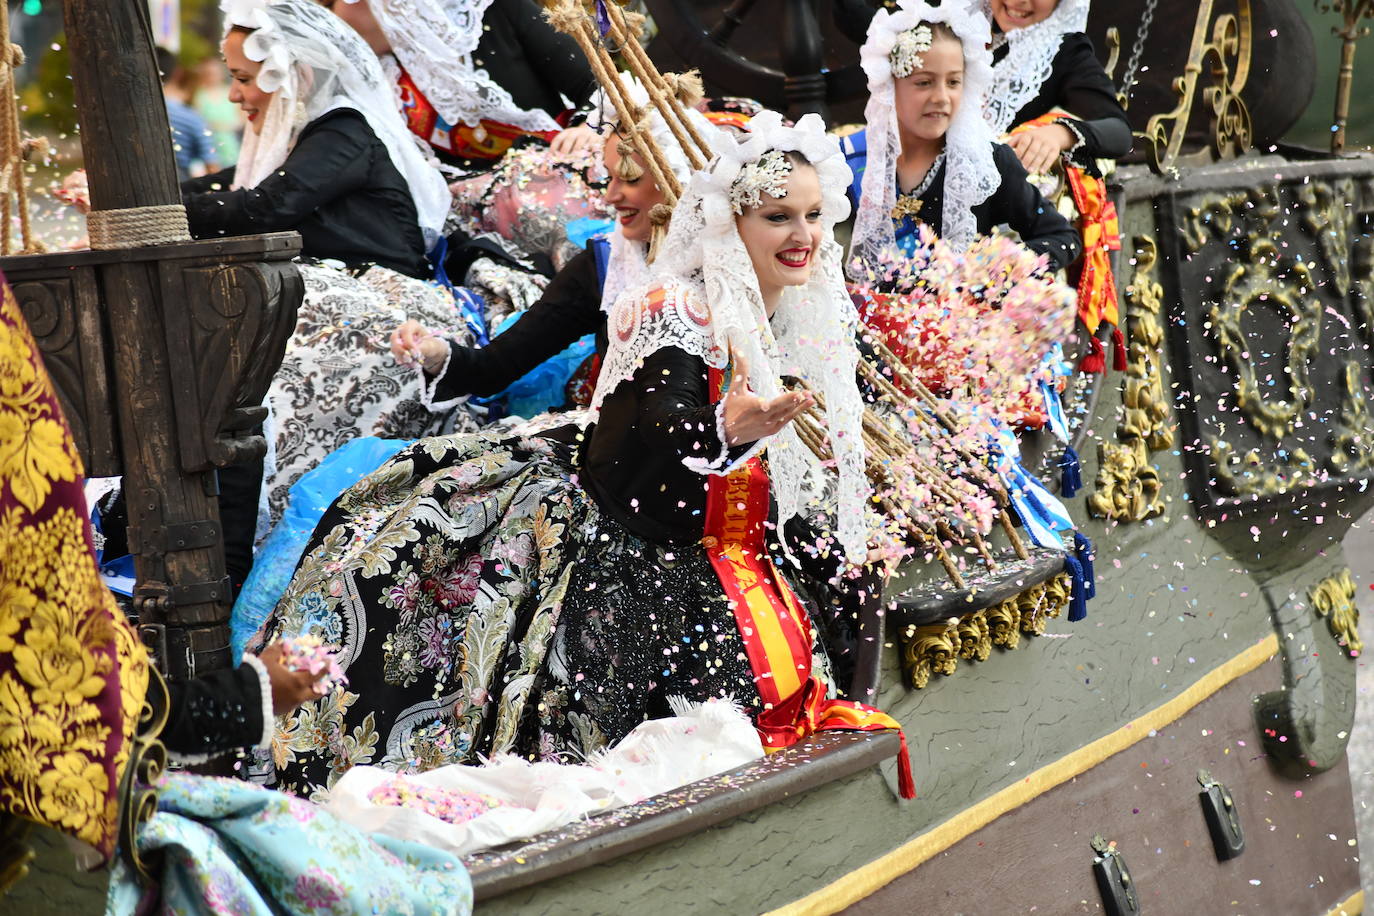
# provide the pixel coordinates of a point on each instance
(1256, 474)
(1334, 599)
(1227, 53)
(1328, 212)
(938, 648)
(1127, 486)
(1260, 285)
(1247, 212)
(1352, 435)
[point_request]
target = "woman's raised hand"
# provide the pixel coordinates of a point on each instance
(1040, 148)
(748, 417)
(413, 345)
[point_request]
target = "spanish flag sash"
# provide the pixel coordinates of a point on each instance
(486, 140)
(772, 624)
(1101, 231)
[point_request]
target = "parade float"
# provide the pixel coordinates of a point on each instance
(1180, 750)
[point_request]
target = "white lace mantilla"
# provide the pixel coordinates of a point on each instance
(313, 63)
(1017, 78)
(971, 175)
(434, 41)
(705, 300)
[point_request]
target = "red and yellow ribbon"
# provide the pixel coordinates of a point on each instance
(772, 624)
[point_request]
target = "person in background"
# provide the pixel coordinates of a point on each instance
(191, 140)
(475, 77)
(211, 101)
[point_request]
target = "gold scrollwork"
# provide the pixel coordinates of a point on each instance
(1222, 216)
(1254, 474)
(1328, 214)
(1249, 285)
(1352, 435)
(1127, 485)
(937, 648)
(1228, 53)
(1334, 599)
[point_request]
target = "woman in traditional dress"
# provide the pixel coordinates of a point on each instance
(1055, 103)
(327, 154)
(550, 612)
(577, 300)
(474, 76)
(927, 155)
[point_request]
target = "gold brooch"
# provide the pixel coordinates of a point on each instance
(907, 206)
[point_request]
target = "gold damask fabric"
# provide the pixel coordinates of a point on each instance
(72, 673)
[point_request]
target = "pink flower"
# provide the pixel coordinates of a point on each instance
(405, 594)
(318, 890)
(459, 586)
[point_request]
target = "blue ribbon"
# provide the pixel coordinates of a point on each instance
(1043, 515)
(471, 306)
(603, 18)
(1071, 478)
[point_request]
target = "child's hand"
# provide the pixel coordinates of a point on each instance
(1039, 149)
(75, 191)
(290, 688)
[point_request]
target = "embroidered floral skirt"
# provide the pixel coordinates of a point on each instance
(484, 604)
(338, 379)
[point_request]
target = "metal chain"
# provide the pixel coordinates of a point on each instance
(1146, 20)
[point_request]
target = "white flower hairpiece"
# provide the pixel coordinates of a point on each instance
(767, 174)
(907, 50)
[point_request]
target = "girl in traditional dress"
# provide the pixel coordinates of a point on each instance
(927, 155)
(551, 612)
(1043, 65)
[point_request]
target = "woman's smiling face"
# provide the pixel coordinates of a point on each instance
(243, 80)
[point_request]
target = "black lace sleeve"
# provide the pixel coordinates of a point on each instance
(1018, 203)
(217, 713)
(569, 309)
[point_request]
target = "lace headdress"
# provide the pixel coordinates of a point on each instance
(712, 305)
(434, 41)
(1030, 58)
(628, 259)
(971, 175)
(313, 63)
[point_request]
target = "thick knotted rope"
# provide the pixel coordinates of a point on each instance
(138, 227)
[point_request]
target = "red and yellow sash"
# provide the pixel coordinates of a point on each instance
(772, 623)
(486, 140)
(1101, 231)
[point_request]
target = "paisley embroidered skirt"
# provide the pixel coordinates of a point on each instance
(484, 604)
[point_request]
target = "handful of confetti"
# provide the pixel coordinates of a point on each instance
(449, 805)
(308, 653)
(74, 190)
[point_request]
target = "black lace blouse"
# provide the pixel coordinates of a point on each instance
(337, 188)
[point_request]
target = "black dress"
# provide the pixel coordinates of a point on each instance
(513, 594)
(338, 188)
(530, 59)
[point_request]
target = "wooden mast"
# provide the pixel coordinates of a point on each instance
(176, 339)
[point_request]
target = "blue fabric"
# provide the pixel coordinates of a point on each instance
(544, 387)
(1078, 598)
(275, 561)
(601, 253)
(471, 306)
(1043, 515)
(190, 137)
(584, 229)
(231, 847)
(1083, 549)
(855, 149)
